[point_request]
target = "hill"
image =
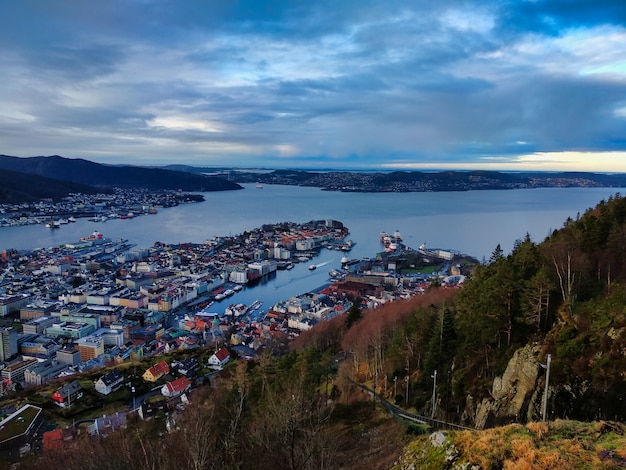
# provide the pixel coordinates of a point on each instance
(554, 445)
(125, 176)
(16, 187)
(407, 181)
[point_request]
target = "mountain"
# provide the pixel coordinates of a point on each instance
(82, 171)
(17, 187)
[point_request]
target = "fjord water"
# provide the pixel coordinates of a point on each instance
(472, 222)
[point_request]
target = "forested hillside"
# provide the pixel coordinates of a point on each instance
(487, 340)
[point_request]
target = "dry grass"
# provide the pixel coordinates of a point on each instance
(557, 445)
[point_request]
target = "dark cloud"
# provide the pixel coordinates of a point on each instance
(361, 83)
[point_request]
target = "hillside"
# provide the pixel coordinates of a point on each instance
(418, 181)
(124, 176)
(554, 445)
(16, 187)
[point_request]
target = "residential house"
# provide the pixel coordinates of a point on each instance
(187, 367)
(106, 424)
(68, 394)
(175, 387)
(109, 382)
(155, 372)
(220, 358)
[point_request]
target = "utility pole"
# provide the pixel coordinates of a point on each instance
(545, 392)
(434, 376)
(406, 398)
(395, 383)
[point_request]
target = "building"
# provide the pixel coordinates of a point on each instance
(155, 372)
(90, 348)
(43, 372)
(15, 372)
(38, 325)
(220, 358)
(106, 424)
(38, 346)
(8, 343)
(17, 431)
(70, 330)
(12, 303)
(68, 394)
(175, 387)
(71, 357)
(109, 382)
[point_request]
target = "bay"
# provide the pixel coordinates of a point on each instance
(472, 222)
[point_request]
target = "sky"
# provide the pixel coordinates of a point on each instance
(367, 84)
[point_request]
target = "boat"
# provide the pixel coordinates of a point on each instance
(71, 219)
(345, 260)
(259, 186)
(236, 310)
(238, 287)
(229, 292)
(53, 224)
(289, 265)
(94, 236)
(256, 305)
(397, 236)
(312, 267)
(63, 221)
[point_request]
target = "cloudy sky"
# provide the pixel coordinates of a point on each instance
(378, 84)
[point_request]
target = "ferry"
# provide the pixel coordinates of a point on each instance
(94, 236)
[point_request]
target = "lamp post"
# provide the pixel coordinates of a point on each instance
(434, 376)
(545, 392)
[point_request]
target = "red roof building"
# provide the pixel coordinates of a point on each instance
(155, 372)
(175, 387)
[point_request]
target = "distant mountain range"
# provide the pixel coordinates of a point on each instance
(90, 177)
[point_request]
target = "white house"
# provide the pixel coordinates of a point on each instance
(220, 358)
(109, 382)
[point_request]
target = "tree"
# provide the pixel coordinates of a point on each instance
(354, 314)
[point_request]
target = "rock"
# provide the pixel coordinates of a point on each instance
(511, 394)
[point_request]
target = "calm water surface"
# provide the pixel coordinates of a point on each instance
(472, 222)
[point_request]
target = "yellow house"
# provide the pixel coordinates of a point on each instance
(155, 372)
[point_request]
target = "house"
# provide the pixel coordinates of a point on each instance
(220, 358)
(187, 367)
(106, 424)
(109, 382)
(155, 372)
(175, 387)
(67, 394)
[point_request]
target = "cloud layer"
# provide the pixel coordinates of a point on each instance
(367, 84)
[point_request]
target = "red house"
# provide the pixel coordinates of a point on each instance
(68, 394)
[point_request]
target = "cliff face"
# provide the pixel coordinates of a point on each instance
(516, 396)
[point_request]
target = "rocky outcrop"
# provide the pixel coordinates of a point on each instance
(514, 396)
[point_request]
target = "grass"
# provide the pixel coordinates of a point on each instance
(556, 445)
(19, 424)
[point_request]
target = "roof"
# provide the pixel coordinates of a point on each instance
(178, 385)
(112, 377)
(70, 388)
(222, 354)
(159, 369)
